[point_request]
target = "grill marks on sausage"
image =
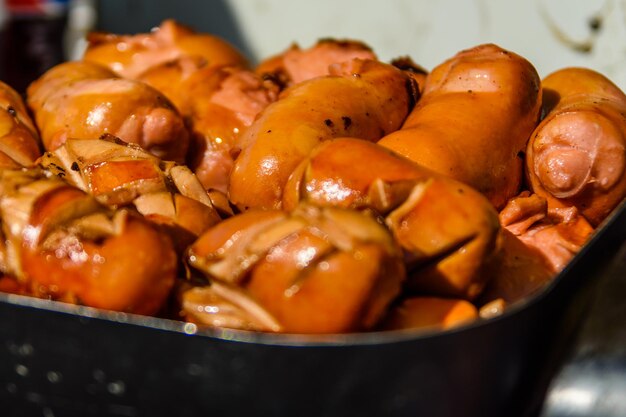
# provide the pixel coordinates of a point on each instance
(345, 120)
(413, 91)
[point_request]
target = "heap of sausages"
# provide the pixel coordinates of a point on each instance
(321, 191)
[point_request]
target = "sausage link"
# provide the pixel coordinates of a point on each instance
(474, 119)
(577, 155)
(62, 244)
(363, 99)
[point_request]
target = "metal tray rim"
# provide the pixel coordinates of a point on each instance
(309, 340)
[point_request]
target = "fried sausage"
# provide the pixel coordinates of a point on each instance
(474, 119)
(577, 155)
(429, 313)
(314, 270)
(447, 230)
(557, 233)
(363, 99)
(225, 306)
(296, 64)
(131, 55)
(119, 174)
(518, 271)
(63, 245)
(536, 244)
(84, 101)
(12, 285)
(19, 141)
(219, 103)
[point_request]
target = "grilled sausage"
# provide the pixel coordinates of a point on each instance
(474, 119)
(314, 270)
(63, 245)
(429, 313)
(219, 103)
(447, 230)
(363, 99)
(577, 155)
(118, 174)
(296, 64)
(84, 101)
(19, 141)
(131, 55)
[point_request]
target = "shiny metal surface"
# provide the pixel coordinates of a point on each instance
(592, 380)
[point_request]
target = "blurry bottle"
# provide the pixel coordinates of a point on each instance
(81, 19)
(31, 40)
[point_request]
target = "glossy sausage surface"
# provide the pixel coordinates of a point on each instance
(295, 64)
(63, 245)
(447, 230)
(577, 155)
(82, 100)
(130, 55)
(119, 174)
(314, 270)
(19, 141)
(474, 119)
(363, 99)
(219, 103)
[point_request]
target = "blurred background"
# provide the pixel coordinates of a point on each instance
(550, 33)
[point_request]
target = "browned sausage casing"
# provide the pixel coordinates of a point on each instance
(577, 155)
(363, 99)
(296, 64)
(447, 229)
(82, 100)
(314, 270)
(429, 313)
(63, 245)
(536, 244)
(474, 119)
(119, 174)
(219, 103)
(131, 55)
(19, 140)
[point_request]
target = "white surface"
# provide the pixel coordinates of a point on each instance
(543, 31)
(80, 21)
